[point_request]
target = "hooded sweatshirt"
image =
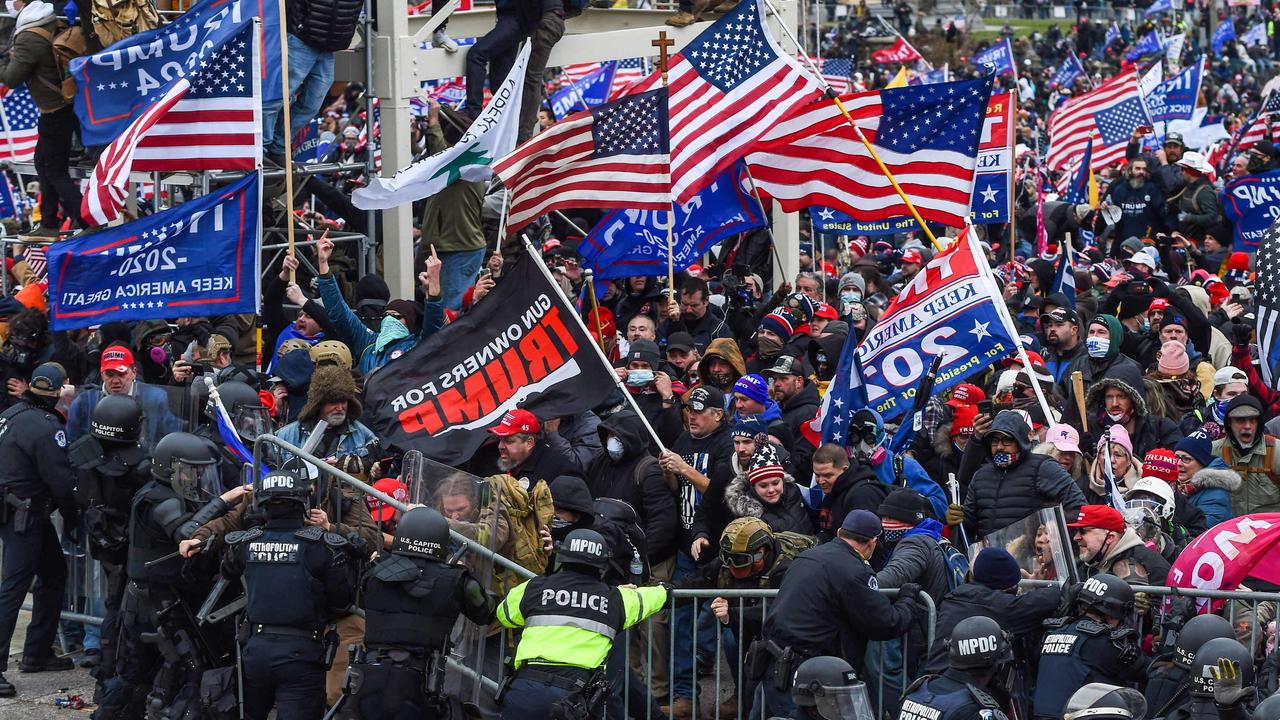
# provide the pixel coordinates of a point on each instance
(636, 479)
(1111, 365)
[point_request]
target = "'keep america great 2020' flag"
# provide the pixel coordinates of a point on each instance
(520, 346)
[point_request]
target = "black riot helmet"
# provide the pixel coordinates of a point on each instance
(1207, 658)
(282, 486)
(829, 686)
(422, 532)
(1268, 709)
(583, 547)
(978, 643)
(189, 464)
(117, 419)
(1100, 701)
(248, 415)
(1195, 633)
(1107, 594)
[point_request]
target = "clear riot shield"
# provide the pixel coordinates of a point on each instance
(474, 509)
(1039, 542)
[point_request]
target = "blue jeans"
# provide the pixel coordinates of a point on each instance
(683, 671)
(528, 700)
(310, 77)
(457, 273)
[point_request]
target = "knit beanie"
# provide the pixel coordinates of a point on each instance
(1173, 358)
(905, 505)
(748, 427)
(1198, 446)
(1161, 463)
(765, 465)
(779, 324)
(996, 568)
(754, 387)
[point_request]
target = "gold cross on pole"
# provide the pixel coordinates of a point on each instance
(662, 43)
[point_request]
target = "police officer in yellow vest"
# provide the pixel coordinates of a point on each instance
(569, 619)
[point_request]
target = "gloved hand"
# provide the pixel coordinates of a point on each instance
(1241, 333)
(1227, 683)
(1182, 216)
(909, 591)
(1142, 603)
(955, 514)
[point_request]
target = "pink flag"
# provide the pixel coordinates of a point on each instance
(1221, 557)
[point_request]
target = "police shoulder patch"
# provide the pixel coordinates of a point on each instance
(335, 540)
(987, 702)
(873, 583)
(60, 438)
(310, 532)
(238, 536)
(1091, 627)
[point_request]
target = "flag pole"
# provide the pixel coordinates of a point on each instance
(595, 304)
(1013, 157)
(884, 170)
(288, 135)
(577, 318)
(663, 43)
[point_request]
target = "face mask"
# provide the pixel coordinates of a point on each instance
(159, 355)
(1097, 347)
(392, 330)
(1120, 418)
(1220, 408)
(1144, 327)
(613, 446)
(893, 536)
(850, 297)
(1002, 460)
(768, 346)
(639, 378)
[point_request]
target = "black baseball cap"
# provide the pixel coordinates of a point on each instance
(703, 398)
(789, 365)
(682, 341)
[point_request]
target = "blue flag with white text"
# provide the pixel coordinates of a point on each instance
(1068, 71)
(1148, 45)
(591, 91)
(1175, 98)
(634, 242)
(999, 56)
(1158, 7)
(198, 258)
(116, 85)
(1225, 33)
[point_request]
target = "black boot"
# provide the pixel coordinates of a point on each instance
(7, 690)
(52, 663)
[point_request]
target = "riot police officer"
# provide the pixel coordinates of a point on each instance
(570, 620)
(977, 650)
(411, 600)
(35, 478)
(1100, 701)
(1204, 704)
(1169, 680)
(1098, 643)
(111, 466)
(826, 688)
(160, 649)
(296, 578)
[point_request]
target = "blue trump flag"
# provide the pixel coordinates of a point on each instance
(1078, 191)
(198, 258)
(310, 144)
(1250, 204)
(116, 85)
(950, 308)
(589, 92)
(634, 242)
(1158, 7)
(1068, 71)
(1148, 45)
(1225, 33)
(1175, 98)
(999, 56)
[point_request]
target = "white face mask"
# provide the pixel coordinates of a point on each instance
(1097, 346)
(614, 447)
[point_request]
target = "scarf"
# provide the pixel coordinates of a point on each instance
(391, 331)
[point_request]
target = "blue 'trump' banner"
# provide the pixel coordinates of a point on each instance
(1252, 203)
(199, 258)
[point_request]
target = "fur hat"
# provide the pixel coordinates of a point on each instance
(330, 383)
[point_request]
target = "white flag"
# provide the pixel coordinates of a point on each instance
(1173, 50)
(491, 136)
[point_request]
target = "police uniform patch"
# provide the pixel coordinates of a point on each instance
(60, 438)
(268, 551)
(873, 583)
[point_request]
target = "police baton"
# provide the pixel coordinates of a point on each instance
(198, 547)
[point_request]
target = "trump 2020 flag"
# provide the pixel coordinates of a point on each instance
(584, 93)
(993, 176)
(1225, 33)
(999, 56)
(521, 346)
(634, 242)
(1068, 71)
(116, 85)
(1148, 45)
(198, 258)
(1158, 7)
(1268, 301)
(951, 308)
(490, 137)
(1175, 98)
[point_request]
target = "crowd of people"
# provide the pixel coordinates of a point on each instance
(624, 531)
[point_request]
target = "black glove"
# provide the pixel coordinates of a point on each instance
(1070, 591)
(1241, 332)
(909, 591)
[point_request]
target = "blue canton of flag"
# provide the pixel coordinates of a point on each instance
(635, 125)
(634, 242)
(838, 72)
(1068, 71)
(1064, 280)
(1158, 7)
(1225, 33)
(1117, 123)
(591, 91)
(1272, 104)
(8, 208)
(846, 394)
(1078, 191)
(1148, 45)
(933, 117)
(21, 118)
(999, 56)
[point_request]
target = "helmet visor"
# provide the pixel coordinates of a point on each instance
(252, 421)
(196, 483)
(844, 703)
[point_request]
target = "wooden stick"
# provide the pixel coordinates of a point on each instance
(288, 135)
(1077, 385)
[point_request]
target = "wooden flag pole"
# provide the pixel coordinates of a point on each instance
(288, 135)
(595, 304)
(1013, 156)
(663, 44)
(884, 170)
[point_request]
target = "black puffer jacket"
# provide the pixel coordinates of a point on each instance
(997, 498)
(789, 514)
(1149, 431)
(325, 24)
(637, 480)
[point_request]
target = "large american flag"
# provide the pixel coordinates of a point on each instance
(614, 155)
(927, 136)
(1108, 115)
(20, 119)
(1267, 296)
(207, 120)
(728, 87)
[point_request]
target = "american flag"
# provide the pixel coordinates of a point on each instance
(614, 155)
(838, 72)
(1267, 296)
(209, 119)
(376, 122)
(927, 136)
(20, 117)
(1098, 114)
(728, 88)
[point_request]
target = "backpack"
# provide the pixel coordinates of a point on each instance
(956, 562)
(619, 524)
(530, 511)
(69, 43)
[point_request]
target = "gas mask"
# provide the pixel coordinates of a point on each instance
(614, 447)
(1097, 347)
(158, 354)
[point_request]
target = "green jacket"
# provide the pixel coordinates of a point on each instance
(31, 61)
(451, 218)
(571, 619)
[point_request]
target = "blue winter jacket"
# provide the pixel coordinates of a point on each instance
(361, 339)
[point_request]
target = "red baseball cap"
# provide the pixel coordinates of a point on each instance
(380, 511)
(695, 270)
(826, 311)
(517, 422)
(912, 256)
(116, 358)
(966, 394)
(1099, 516)
(1159, 304)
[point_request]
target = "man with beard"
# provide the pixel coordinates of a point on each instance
(331, 397)
(721, 365)
(1167, 176)
(1252, 455)
(120, 377)
(695, 315)
(522, 451)
(1141, 204)
(1062, 344)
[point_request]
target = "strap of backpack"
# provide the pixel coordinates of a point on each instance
(44, 33)
(641, 469)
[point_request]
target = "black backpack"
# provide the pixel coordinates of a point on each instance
(619, 524)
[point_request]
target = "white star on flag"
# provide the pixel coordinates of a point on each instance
(980, 330)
